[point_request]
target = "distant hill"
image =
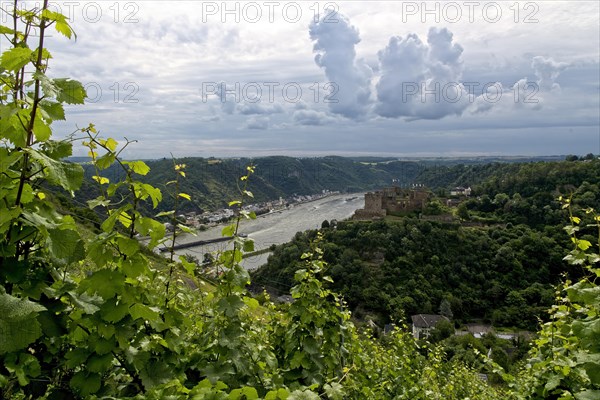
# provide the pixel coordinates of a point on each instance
(212, 182)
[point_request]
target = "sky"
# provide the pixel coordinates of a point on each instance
(309, 78)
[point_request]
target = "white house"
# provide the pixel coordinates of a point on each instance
(422, 324)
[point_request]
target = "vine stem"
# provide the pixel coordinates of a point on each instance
(24, 247)
(174, 236)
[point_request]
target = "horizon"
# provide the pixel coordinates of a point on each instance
(550, 157)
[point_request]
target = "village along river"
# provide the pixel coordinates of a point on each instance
(277, 227)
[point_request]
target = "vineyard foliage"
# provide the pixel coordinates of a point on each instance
(98, 315)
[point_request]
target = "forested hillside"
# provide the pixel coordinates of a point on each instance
(211, 181)
(502, 269)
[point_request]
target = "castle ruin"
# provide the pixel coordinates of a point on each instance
(393, 200)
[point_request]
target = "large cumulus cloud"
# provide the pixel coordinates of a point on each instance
(421, 80)
(334, 42)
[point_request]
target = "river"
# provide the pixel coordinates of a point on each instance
(278, 227)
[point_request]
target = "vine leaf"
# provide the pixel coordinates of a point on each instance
(15, 58)
(18, 324)
(67, 175)
(71, 92)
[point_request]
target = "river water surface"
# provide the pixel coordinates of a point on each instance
(278, 227)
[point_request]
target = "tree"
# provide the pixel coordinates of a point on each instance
(324, 224)
(445, 309)
(442, 330)
(463, 212)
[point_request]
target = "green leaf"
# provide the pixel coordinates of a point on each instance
(100, 363)
(101, 180)
(113, 310)
(280, 394)
(248, 245)
(144, 312)
(250, 393)
(5, 30)
(588, 395)
(76, 356)
(66, 244)
(228, 231)
(105, 161)
(7, 217)
(58, 149)
(128, 246)
(154, 193)
(155, 373)
(583, 244)
(152, 228)
(303, 395)
(48, 88)
(16, 58)
(190, 267)
(41, 130)
(18, 324)
(138, 167)
(63, 28)
(230, 305)
(98, 201)
(185, 196)
(70, 91)
(105, 282)
(85, 383)
(65, 174)
(109, 223)
(84, 302)
(334, 391)
(234, 202)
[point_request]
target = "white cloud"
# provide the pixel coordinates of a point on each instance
(547, 71)
(258, 123)
(312, 118)
(257, 108)
(334, 42)
(422, 81)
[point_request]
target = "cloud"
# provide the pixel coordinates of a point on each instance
(311, 118)
(547, 70)
(210, 118)
(256, 108)
(421, 80)
(258, 123)
(334, 42)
